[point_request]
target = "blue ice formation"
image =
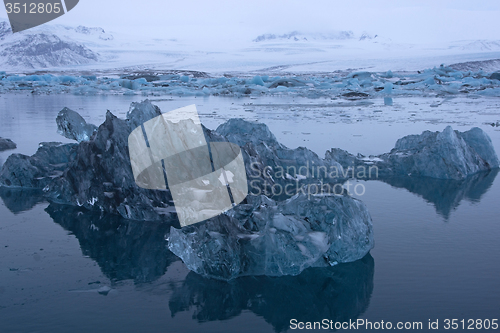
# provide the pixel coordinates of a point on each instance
(72, 126)
(429, 82)
(443, 155)
(265, 237)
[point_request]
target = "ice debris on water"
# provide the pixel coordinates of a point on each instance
(438, 80)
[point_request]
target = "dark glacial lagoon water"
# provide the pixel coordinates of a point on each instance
(436, 256)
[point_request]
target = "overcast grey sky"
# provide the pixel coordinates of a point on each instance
(403, 20)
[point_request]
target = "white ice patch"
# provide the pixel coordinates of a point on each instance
(303, 249)
(320, 240)
(251, 236)
(297, 177)
(92, 201)
(372, 159)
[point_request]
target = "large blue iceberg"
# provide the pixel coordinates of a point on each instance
(265, 237)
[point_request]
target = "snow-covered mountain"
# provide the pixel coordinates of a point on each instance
(46, 48)
(54, 47)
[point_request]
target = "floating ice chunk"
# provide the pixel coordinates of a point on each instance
(430, 81)
(443, 155)
(292, 235)
(38, 170)
(286, 82)
(69, 79)
(90, 77)
(96, 169)
(241, 131)
(495, 76)
(140, 112)
(457, 75)
(361, 75)
(257, 80)
(104, 290)
(388, 88)
(6, 144)
(495, 92)
(132, 84)
(72, 126)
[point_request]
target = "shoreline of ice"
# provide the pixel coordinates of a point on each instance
(354, 85)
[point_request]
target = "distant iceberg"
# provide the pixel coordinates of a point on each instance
(443, 155)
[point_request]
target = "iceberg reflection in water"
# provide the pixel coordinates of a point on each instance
(123, 249)
(337, 293)
(446, 194)
(19, 200)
